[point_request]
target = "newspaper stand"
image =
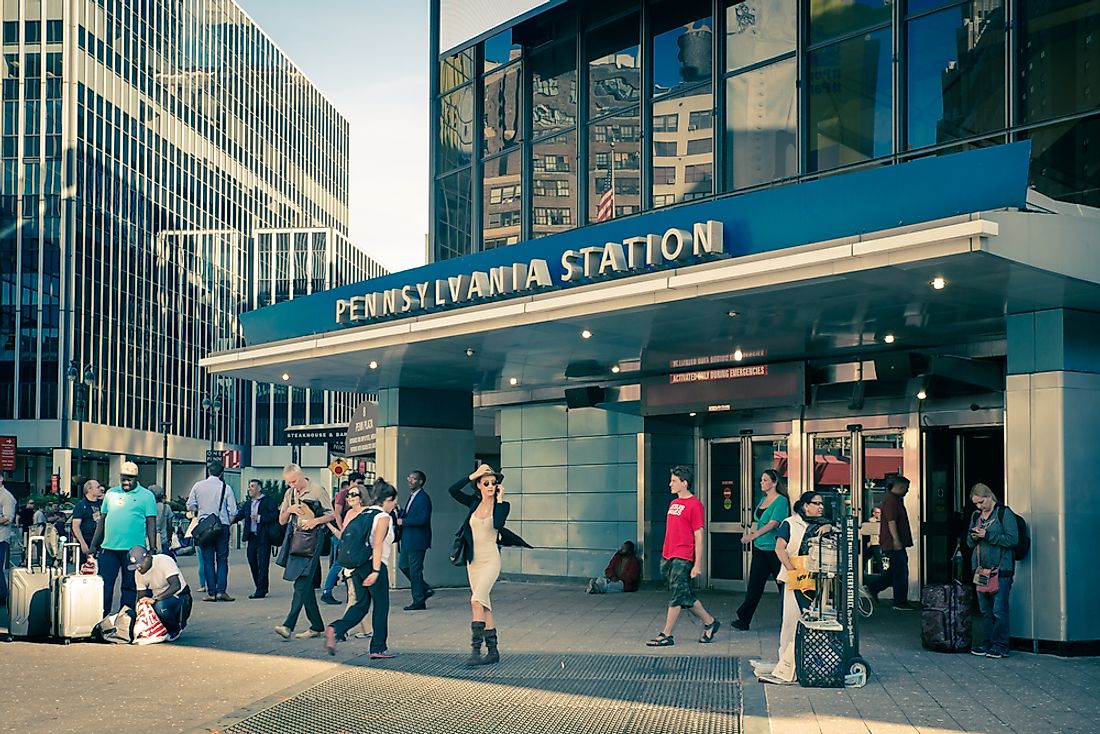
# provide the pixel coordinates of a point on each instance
(827, 638)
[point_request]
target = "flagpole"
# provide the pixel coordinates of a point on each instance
(612, 180)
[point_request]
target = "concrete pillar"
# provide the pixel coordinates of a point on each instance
(63, 467)
(429, 430)
(114, 469)
(1052, 415)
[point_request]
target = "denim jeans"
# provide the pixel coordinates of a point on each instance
(111, 563)
(377, 593)
(334, 567)
(994, 611)
(214, 564)
(174, 611)
(4, 550)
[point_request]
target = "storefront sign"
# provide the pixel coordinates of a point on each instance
(8, 449)
(362, 435)
(331, 436)
(674, 248)
(725, 388)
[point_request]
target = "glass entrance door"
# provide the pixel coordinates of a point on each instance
(735, 466)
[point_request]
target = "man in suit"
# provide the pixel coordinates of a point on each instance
(416, 538)
(260, 516)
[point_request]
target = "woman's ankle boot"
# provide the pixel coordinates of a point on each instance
(492, 656)
(477, 634)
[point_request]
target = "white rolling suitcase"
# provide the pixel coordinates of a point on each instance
(78, 599)
(31, 594)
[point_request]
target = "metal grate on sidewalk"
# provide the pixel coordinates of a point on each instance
(423, 693)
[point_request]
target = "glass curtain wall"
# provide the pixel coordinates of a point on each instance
(796, 88)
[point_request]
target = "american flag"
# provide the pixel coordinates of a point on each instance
(605, 210)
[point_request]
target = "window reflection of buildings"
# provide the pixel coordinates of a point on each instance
(615, 140)
(969, 105)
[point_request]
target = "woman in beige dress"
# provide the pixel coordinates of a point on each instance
(484, 531)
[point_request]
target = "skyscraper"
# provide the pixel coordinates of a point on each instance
(143, 145)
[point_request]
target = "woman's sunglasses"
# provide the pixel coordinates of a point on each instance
(818, 502)
(354, 494)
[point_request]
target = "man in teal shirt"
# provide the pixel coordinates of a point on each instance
(129, 518)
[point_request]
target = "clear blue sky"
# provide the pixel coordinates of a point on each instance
(370, 58)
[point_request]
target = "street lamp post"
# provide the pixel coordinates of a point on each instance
(82, 381)
(212, 406)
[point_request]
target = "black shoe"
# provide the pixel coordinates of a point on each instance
(257, 595)
(414, 607)
(737, 624)
(327, 598)
(429, 593)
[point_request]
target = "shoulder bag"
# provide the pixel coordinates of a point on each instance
(303, 543)
(460, 551)
(986, 580)
(209, 528)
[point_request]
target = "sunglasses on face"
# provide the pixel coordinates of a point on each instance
(818, 502)
(354, 494)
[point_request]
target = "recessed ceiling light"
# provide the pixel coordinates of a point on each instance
(889, 338)
(616, 369)
(922, 394)
(373, 365)
(470, 352)
(692, 414)
(738, 355)
(513, 381)
(939, 283)
(285, 377)
(586, 334)
(733, 314)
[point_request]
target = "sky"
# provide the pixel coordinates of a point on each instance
(370, 58)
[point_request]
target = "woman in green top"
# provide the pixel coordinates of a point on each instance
(772, 510)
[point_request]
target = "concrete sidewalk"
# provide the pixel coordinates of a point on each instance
(230, 664)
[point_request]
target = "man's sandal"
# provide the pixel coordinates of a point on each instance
(710, 630)
(661, 640)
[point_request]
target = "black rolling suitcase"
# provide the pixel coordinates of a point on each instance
(945, 619)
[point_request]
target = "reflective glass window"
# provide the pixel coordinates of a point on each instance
(694, 126)
(456, 70)
(757, 30)
(683, 34)
(1058, 58)
(614, 163)
(554, 184)
(553, 89)
(762, 125)
(456, 129)
(614, 71)
(955, 74)
(849, 116)
(1065, 160)
(502, 201)
(501, 49)
(832, 19)
(502, 110)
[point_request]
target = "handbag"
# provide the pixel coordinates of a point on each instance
(275, 532)
(986, 580)
(460, 551)
(801, 578)
(303, 542)
(209, 528)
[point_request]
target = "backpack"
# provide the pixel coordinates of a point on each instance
(1023, 544)
(355, 542)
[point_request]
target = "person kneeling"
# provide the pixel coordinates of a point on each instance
(160, 583)
(621, 574)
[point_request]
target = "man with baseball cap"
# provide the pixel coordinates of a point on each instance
(128, 518)
(160, 583)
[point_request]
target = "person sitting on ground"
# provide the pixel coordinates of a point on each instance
(160, 582)
(621, 574)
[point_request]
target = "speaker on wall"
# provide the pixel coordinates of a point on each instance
(584, 397)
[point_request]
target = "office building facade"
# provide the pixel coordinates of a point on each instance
(144, 146)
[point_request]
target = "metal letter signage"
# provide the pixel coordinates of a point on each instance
(673, 248)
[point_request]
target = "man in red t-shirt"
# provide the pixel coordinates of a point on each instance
(682, 558)
(895, 536)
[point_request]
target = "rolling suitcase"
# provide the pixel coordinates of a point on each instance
(945, 619)
(30, 596)
(78, 600)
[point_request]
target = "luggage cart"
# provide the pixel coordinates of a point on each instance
(827, 638)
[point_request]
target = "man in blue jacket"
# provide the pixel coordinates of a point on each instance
(416, 538)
